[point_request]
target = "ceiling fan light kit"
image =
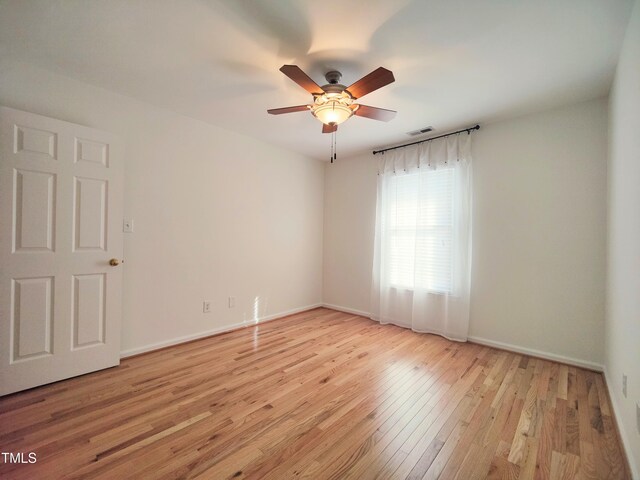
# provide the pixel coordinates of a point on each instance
(333, 108)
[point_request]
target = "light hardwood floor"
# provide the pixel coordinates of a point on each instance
(321, 394)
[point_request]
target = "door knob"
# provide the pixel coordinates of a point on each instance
(114, 262)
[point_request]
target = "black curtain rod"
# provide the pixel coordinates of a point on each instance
(468, 130)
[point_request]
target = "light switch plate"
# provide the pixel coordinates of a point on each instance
(127, 225)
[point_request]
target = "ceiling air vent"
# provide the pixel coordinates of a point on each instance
(420, 132)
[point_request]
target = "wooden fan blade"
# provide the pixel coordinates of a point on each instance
(375, 113)
(296, 74)
(329, 128)
(375, 80)
(280, 111)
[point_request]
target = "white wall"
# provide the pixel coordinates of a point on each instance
(622, 351)
(539, 232)
(349, 223)
(216, 214)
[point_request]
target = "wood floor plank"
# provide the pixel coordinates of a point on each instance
(320, 395)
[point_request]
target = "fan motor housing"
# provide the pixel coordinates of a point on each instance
(333, 88)
(334, 85)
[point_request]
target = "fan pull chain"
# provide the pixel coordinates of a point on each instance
(335, 147)
(331, 150)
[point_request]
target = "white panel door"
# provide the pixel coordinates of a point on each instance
(60, 225)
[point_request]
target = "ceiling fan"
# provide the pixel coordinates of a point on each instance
(334, 103)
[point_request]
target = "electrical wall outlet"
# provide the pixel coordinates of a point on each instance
(232, 302)
(624, 385)
(638, 416)
(206, 307)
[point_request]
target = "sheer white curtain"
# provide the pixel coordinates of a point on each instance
(422, 252)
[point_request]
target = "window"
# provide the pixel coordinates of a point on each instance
(418, 227)
(421, 269)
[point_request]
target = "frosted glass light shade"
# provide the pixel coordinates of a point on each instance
(333, 112)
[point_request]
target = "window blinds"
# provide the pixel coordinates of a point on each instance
(418, 228)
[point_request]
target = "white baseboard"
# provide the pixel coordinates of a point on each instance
(504, 346)
(617, 415)
(293, 311)
(346, 310)
(207, 333)
(538, 353)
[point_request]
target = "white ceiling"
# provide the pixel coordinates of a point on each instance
(456, 62)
